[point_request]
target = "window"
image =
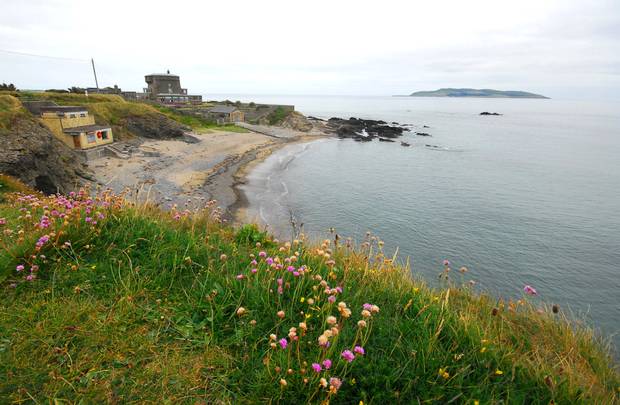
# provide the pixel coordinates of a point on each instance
(82, 115)
(104, 135)
(91, 137)
(72, 115)
(59, 114)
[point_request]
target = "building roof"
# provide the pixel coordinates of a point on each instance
(85, 128)
(162, 74)
(63, 108)
(226, 109)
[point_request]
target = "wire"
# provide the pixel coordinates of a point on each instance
(43, 56)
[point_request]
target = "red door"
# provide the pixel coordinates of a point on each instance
(76, 142)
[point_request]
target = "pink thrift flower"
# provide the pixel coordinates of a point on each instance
(296, 273)
(240, 276)
(339, 289)
(359, 350)
(367, 307)
(283, 343)
(446, 262)
(2, 221)
(290, 269)
(254, 271)
(253, 262)
(317, 367)
(327, 363)
(280, 281)
(262, 254)
(331, 299)
(269, 261)
(528, 289)
(30, 277)
(335, 382)
(348, 355)
(19, 268)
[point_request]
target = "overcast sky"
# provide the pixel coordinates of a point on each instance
(558, 48)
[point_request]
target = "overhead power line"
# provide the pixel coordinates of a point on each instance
(34, 55)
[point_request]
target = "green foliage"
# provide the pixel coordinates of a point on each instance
(145, 306)
(249, 234)
(277, 116)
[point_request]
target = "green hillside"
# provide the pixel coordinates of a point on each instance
(105, 301)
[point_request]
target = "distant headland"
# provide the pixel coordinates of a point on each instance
(451, 92)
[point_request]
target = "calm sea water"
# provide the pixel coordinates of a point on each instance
(530, 197)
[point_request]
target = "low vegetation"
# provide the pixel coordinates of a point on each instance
(104, 300)
(113, 109)
(10, 111)
(197, 123)
(277, 116)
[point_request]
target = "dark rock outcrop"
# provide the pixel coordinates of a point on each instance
(154, 126)
(489, 113)
(32, 154)
(423, 134)
(363, 130)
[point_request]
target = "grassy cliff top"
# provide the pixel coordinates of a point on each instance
(107, 109)
(107, 301)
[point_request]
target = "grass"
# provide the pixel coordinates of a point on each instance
(277, 116)
(163, 307)
(197, 123)
(10, 111)
(111, 110)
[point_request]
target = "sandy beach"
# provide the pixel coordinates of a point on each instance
(191, 171)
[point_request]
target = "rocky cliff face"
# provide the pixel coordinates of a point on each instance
(296, 121)
(153, 126)
(32, 154)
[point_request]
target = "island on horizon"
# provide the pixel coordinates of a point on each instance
(465, 92)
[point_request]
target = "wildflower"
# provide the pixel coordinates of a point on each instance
(2, 221)
(269, 261)
(345, 313)
(241, 311)
(272, 337)
(283, 382)
(331, 299)
(290, 269)
(374, 309)
(310, 301)
(317, 367)
(327, 363)
(342, 305)
(302, 299)
(367, 307)
(334, 384)
(283, 343)
(361, 323)
(30, 277)
(446, 262)
(303, 326)
(281, 314)
(253, 322)
(262, 254)
(348, 355)
(484, 349)
(240, 276)
(463, 269)
(331, 320)
(366, 313)
(20, 267)
(528, 289)
(443, 373)
(359, 350)
(323, 382)
(498, 372)
(223, 257)
(323, 341)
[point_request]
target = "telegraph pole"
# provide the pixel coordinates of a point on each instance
(92, 61)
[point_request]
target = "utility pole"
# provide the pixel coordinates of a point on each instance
(95, 73)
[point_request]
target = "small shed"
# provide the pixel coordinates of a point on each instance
(223, 114)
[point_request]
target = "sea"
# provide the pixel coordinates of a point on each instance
(529, 197)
